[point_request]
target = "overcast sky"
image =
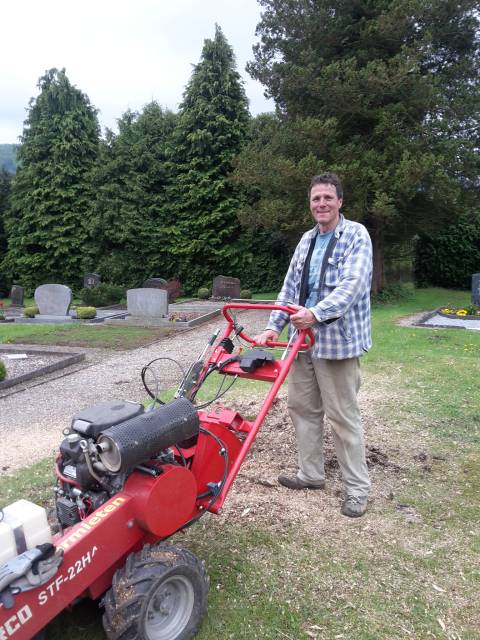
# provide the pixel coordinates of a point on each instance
(121, 53)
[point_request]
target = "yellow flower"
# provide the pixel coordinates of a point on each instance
(462, 312)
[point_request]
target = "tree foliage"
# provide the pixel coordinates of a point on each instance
(132, 209)
(5, 187)
(211, 129)
(385, 92)
(50, 219)
(450, 257)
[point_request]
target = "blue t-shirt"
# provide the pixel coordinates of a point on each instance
(315, 266)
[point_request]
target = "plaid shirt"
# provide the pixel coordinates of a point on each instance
(343, 295)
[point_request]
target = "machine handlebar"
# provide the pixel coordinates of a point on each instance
(303, 334)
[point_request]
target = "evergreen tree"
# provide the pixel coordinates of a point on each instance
(393, 87)
(212, 126)
(5, 186)
(132, 179)
(50, 222)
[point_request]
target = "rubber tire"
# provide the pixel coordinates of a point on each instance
(134, 587)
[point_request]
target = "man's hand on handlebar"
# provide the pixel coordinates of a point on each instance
(269, 335)
(303, 318)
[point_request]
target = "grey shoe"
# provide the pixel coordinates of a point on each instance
(296, 483)
(354, 506)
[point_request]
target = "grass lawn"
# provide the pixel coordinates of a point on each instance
(80, 335)
(291, 567)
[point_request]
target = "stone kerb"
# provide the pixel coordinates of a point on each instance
(53, 300)
(147, 303)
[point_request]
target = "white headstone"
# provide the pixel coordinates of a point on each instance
(53, 299)
(147, 303)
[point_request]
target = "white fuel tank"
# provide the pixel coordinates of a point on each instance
(24, 526)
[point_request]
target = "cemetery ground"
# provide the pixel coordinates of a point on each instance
(287, 565)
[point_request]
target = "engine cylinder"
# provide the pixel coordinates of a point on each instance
(134, 441)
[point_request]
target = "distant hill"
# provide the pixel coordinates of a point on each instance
(8, 157)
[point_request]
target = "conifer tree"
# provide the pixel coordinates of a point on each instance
(5, 187)
(386, 92)
(132, 179)
(211, 129)
(50, 222)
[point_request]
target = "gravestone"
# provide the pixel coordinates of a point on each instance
(225, 287)
(155, 283)
(172, 286)
(53, 300)
(16, 296)
(91, 280)
(476, 289)
(147, 303)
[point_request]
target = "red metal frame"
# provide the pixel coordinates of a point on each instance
(151, 508)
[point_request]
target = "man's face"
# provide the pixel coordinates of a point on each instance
(325, 206)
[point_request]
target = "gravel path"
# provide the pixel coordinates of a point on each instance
(32, 420)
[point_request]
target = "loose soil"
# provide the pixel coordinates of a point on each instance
(256, 496)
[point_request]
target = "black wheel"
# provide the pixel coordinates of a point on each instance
(160, 594)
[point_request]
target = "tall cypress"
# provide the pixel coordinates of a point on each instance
(211, 129)
(50, 221)
(5, 187)
(131, 205)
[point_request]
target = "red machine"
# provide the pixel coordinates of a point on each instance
(127, 480)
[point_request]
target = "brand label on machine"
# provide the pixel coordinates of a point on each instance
(90, 522)
(15, 622)
(70, 573)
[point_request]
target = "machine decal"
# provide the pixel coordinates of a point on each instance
(90, 523)
(15, 622)
(71, 572)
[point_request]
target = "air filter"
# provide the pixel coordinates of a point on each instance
(134, 441)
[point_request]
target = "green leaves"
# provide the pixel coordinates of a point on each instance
(398, 83)
(50, 219)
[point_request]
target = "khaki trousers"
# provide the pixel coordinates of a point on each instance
(319, 388)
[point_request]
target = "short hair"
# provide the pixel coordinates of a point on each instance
(327, 178)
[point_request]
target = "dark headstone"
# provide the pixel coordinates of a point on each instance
(91, 280)
(155, 283)
(172, 286)
(16, 296)
(225, 287)
(476, 288)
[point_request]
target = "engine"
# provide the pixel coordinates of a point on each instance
(110, 440)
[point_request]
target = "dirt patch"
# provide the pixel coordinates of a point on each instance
(256, 496)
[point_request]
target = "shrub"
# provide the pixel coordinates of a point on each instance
(3, 370)
(86, 313)
(246, 294)
(392, 293)
(102, 295)
(174, 289)
(203, 293)
(449, 258)
(30, 312)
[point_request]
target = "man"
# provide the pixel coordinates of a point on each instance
(328, 284)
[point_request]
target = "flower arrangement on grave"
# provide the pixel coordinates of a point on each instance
(471, 311)
(2, 311)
